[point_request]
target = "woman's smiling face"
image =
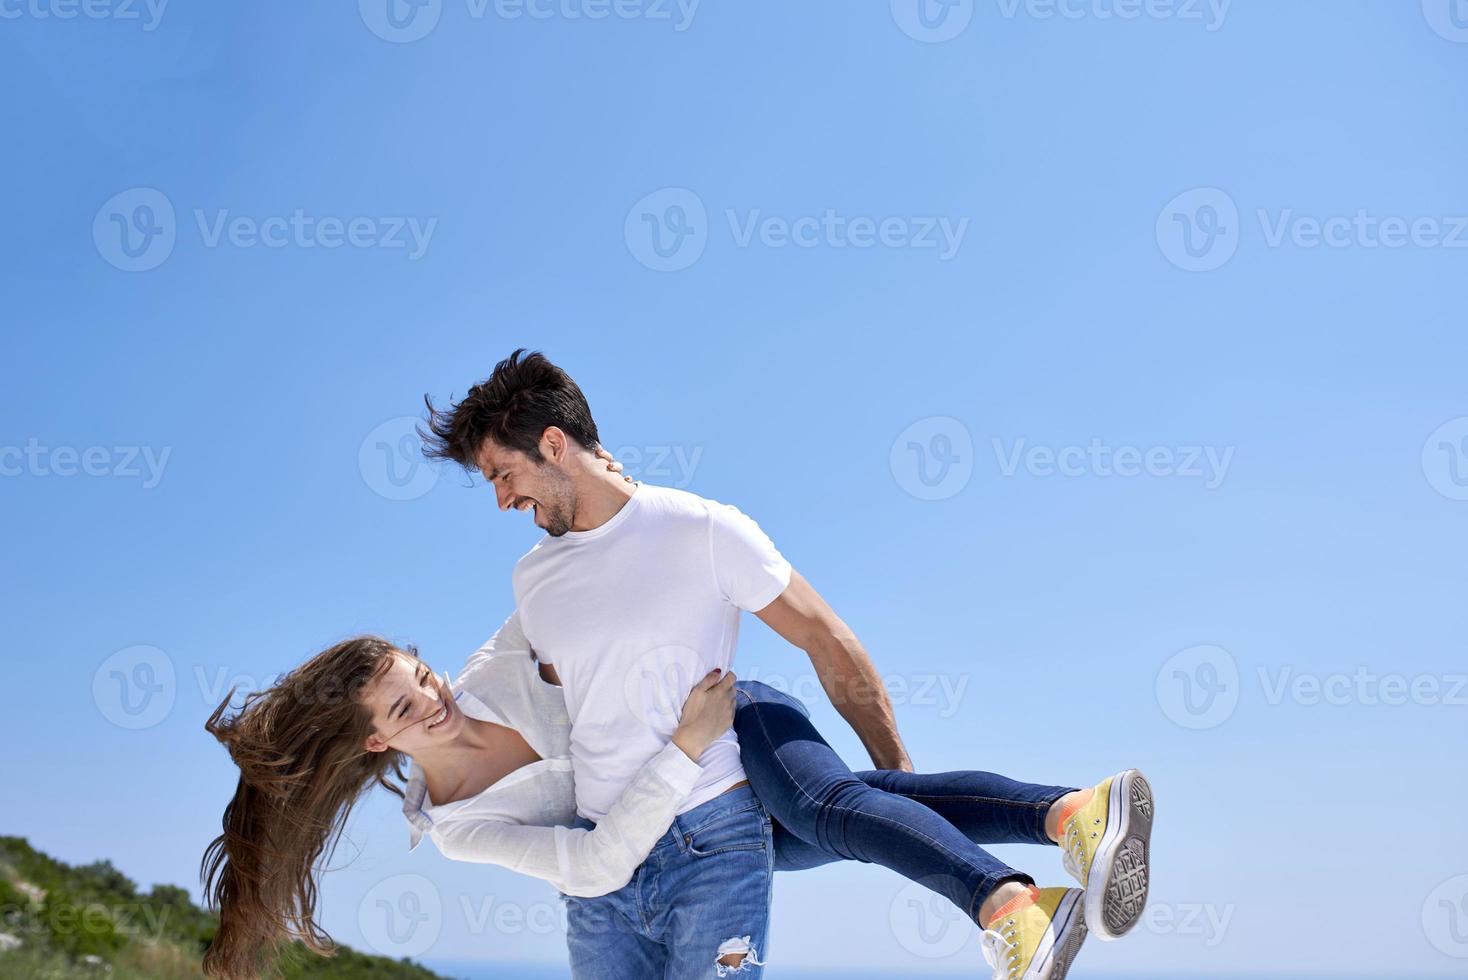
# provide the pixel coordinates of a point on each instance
(412, 708)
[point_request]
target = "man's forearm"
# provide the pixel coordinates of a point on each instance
(856, 689)
(850, 678)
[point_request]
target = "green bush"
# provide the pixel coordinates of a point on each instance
(96, 910)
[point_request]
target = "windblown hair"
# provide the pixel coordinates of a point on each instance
(524, 396)
(303, 766)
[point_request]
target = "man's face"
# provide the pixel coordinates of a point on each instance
(520, 483)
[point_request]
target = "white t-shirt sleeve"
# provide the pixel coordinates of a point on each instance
(750, 572)
(509, 638)
(583, 863)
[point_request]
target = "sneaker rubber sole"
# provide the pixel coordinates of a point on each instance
(1116, 892)
(1054, 957)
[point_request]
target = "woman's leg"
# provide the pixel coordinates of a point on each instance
(985, 807)
(819, 802)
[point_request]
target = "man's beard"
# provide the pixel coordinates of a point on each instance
(558, 521)
(560, 513)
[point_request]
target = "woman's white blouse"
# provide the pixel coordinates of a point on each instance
(521, 822)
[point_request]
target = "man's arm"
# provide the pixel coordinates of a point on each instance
(850, 678)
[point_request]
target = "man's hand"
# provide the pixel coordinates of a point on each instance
(850, 678)
(612, 465)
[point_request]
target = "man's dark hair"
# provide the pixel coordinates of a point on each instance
(524, 396)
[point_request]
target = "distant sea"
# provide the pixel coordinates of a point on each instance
(516, 971)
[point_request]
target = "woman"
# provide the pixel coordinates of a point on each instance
(492, 782)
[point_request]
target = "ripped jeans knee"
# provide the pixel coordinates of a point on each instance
(735, 955)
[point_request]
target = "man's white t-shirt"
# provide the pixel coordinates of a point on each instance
(632, 614)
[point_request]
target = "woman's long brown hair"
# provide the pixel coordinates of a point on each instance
(303, 766)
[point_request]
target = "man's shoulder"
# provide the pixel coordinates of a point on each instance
(670, 501)
(542, 547)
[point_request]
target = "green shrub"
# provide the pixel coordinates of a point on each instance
(95, 910)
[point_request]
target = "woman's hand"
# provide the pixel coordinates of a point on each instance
(612, 465)
(707, 714)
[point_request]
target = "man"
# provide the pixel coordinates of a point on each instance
(634, 595)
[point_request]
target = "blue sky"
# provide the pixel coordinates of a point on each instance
(1100, 362)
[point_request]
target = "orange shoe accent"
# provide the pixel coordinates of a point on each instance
(1016, 903)
(1069, 810)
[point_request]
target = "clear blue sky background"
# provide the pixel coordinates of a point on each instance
(1323, 834)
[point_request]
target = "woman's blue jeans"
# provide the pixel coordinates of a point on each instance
(926, 827)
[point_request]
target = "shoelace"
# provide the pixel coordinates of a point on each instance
(1001, 950)
(1074, 858)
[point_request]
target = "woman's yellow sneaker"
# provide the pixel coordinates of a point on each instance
(1037, 941)
(1107, 847)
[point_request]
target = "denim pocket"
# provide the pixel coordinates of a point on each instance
(742, 830)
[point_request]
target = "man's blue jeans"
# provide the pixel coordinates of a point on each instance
(705, 888)
(703, 892)
(926, 827)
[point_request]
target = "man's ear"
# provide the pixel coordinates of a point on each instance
(553, 444)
